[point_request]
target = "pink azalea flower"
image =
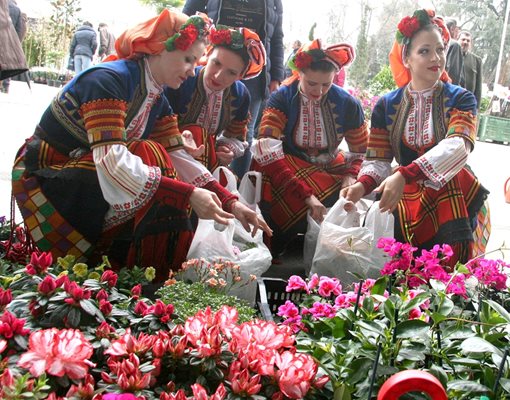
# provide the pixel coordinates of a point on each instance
(329, 286)
(296, 283)
(319, 310)
(59, 353)
(457, 286)
(119, 396)
(288, 310)
(313, 282)
(296, 373)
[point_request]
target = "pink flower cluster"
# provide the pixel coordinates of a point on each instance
(261, 350)
(433, 264)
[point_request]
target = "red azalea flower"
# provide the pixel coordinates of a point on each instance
(109, 277)
(303, 60)
(39, 263)
(48, 286)
(11, 326)
(5, 298)
(408, 26)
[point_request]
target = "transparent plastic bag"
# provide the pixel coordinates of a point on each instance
(345, 249)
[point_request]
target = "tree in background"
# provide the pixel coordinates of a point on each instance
(63, 23)
(160, 5)
(358, 73)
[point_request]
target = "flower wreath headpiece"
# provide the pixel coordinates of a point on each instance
(408, 26)
(339, 55)
(236, 39)
(196, 27)
(223, 35)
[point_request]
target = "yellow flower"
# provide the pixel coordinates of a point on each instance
(80, 269)
(63, 273)
(94, 275)
(66, 262)
(150, 274)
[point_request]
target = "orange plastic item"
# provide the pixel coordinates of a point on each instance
(412, 381)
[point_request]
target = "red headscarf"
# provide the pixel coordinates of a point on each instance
(340, 55)
(407, 27)
(235, 39)
(148, 37)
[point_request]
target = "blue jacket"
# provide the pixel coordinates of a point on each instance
(84, 42)
(273, 32)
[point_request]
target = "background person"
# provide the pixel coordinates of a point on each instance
(471, 76)
(83, 47)
(215, 100)
(106, 41)
(96, 178)
(454, 59)
(298, 145)
(429, 126)
(265, 18)
(12, 58)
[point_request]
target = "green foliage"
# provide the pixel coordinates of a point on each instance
(189, 298)
(485, 104)
(160, 5)
(359, 69)
(382, 82)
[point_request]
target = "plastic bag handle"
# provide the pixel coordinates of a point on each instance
(506, 190)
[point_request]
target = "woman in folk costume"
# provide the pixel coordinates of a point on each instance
(96, 177)
(298, 143)
(213, 105)
(429, 126)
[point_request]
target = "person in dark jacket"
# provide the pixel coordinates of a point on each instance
(265, 18)
(83, 47)
(106, 41)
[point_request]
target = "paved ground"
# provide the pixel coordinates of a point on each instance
(21, 109)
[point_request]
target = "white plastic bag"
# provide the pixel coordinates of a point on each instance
(250, 189)
(212, 242)
(344, 247)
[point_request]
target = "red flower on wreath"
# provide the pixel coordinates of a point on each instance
(186, 38)
(303, 60)
(408, 26)
(221, 36)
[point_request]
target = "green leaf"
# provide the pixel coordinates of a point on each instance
(74, 317)
(446, 307)
(389, 310)
(500, 309)
(89, 307)
(380, 286)
(478, 345)
(412, 329)
(505, 384)
(438, 286)
(467, 386)
(415, 302)
(341, 393)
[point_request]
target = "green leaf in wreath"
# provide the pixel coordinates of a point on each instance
(466, 386)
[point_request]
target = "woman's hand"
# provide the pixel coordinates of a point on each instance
(224, 154)
(392, 189)
(249, 217)
(208, 206)
(190, 146)
(317, 209)
(352, 194)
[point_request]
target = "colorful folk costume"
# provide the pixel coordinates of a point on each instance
(96, 177)
(298, 145)
(430, 134)
(219, 117)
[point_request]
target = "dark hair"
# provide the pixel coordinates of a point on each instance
(450, 23)
(87, 23)
(102, 24)
(322, 65)
(240, 52)
(426, 28)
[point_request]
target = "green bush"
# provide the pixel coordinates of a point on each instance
(382, 82)
(189, 298)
